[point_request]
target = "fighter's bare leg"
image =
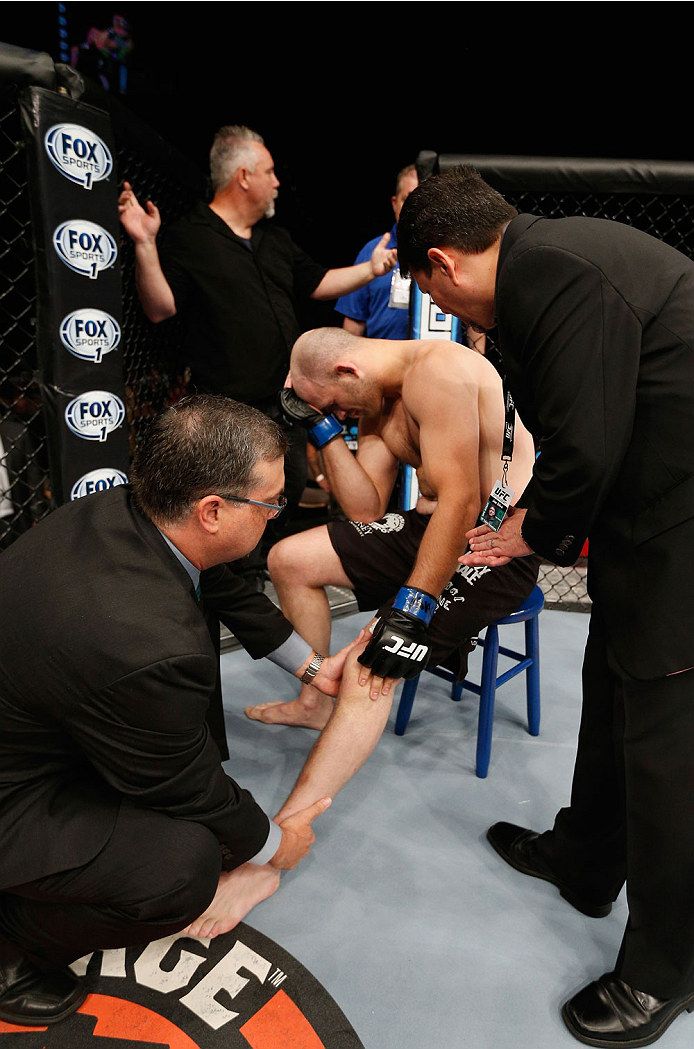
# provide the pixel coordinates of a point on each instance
(237, 893)
(354, 729)
(300, 566)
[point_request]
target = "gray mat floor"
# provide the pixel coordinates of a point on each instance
(421, 934)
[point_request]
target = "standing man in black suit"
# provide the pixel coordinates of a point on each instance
(116, 817)
(596, 329)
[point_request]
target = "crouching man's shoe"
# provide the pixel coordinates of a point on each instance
(608, 1012)
(519, 848)
(31, 998)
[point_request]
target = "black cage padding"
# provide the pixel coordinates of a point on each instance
(568, 174)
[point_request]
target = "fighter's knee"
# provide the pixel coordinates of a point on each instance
(352, 664)
(283, 559)
(351, 692)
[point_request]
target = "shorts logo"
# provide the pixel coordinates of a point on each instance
(78, 154)
(89, 334)
(97, 481)
(94, 415)
(85, 247)
(389, 523)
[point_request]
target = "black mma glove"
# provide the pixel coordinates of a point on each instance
(321, 428)
(398, 647)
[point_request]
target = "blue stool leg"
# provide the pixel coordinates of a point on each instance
(409, 690)
(487, 693)
(532, 680)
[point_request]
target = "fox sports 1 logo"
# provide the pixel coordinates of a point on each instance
(85, 247)
(94, 415)
(89, 334)
(97, 481)
(78, 154)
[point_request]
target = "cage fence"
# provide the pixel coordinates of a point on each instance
(156, 369)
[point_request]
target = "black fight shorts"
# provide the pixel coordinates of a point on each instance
(378, 557)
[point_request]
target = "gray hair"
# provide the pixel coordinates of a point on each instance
(230, 150)
(203, 445)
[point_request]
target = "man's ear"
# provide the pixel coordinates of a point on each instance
(348, 368)
(207, 513)
(443, 261)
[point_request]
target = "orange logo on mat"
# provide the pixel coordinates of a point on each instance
(119, 1018)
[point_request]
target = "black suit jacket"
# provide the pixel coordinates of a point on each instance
(106, 667)
(596, 329)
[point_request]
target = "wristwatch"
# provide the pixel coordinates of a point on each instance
(312, 669)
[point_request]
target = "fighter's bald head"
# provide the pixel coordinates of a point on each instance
(330, 371)
(315, 353)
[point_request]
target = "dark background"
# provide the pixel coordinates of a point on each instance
(346, 94)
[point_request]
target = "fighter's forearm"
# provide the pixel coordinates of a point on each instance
(351, 484)
(442, 544)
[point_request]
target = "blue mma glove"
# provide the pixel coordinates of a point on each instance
(397, 647)
(321, 428)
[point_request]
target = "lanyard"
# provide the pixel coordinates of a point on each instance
(509, 429)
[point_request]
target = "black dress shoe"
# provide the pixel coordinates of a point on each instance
(608, 1012)
(32, 998)
(518, 847)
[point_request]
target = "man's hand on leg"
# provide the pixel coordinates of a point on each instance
(241, 889)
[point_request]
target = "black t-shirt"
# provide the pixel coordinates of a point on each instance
(238, 302)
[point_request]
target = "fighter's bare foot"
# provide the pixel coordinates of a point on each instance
(293, 713)
(237, 893)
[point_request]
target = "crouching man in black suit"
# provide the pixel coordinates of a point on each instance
(118, 823)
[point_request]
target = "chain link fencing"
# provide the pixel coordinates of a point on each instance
(156, 371)
(24, 483)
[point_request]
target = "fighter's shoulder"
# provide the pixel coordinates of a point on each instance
(440, 358)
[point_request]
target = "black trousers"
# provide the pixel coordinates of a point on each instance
(153, 877)
(631, 816)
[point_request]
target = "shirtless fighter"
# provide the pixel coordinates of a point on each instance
(438, 407)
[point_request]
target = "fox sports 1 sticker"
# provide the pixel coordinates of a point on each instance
(78, 154)
(89, 334)
(97, 481)
(94, 415)
(85, 247)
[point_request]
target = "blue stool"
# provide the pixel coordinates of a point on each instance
(529, 660)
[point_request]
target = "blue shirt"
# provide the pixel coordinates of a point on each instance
(370, 303)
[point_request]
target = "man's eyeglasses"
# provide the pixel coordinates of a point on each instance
(277, 507)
